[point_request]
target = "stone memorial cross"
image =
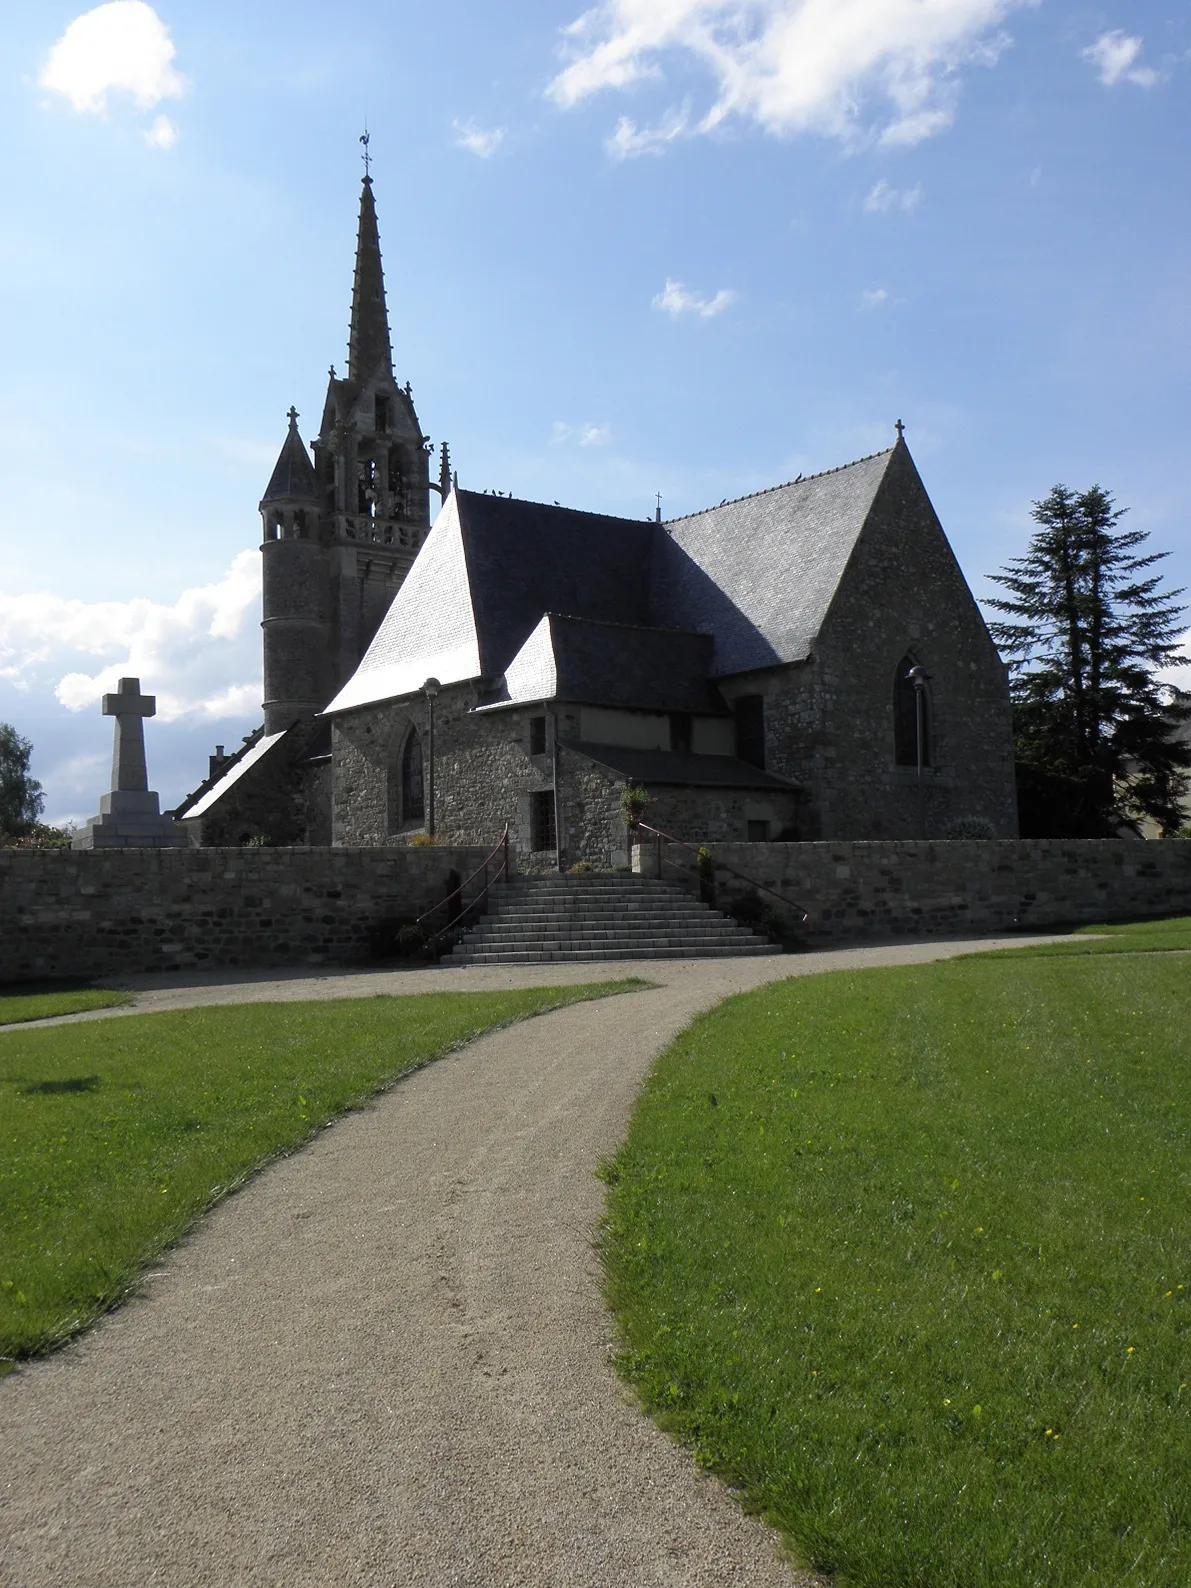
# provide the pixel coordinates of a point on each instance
(130, 708)
(130, 813)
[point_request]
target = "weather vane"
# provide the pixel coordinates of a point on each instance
(365, 139)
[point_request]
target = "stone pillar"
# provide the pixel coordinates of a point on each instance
(130, 813)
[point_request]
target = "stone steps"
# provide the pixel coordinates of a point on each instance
(549, 919)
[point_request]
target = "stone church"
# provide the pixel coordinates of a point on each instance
(806, 662)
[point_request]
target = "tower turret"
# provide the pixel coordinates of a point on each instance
(295, 610)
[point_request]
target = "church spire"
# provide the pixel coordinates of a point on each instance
(368, 348)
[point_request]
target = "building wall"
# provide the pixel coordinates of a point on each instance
(120, 912)
(485, 776)
(963, 886)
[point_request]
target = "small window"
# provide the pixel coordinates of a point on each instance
(300, 522)
(680, 730)
(750, 729)
(758, 832)
(413, 804)
(541, 820)
(906, 716)
(381, 412)
(396, 478)
(537, 736)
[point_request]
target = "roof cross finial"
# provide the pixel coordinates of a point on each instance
(901, 430)
(366, 139)
(657, 518)
(292, 416)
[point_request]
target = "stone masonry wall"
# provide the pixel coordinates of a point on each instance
(859, 890)
(112, 912)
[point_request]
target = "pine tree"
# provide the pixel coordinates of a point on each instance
(1089, 626)
(21, 799)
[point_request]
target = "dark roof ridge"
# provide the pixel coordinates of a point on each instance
(616, 623)
(803, 479)
(529, 501)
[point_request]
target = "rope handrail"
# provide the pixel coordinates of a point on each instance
(722, 865)
(501, 847)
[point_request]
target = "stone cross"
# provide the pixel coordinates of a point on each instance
(130, 708)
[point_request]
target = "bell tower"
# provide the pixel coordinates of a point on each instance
(342, 532)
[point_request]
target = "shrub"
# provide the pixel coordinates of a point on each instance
(580, 868)
(422, 840)
(633, 800)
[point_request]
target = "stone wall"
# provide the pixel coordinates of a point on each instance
(859, 890)
(112, 912)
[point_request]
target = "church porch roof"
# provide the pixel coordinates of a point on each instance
(679, 768)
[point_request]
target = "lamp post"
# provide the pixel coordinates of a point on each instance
(430, 689)
(919, 677)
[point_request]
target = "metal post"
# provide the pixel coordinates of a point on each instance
(430, 688)
(919, 676)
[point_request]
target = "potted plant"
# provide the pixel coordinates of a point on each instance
(633, 800)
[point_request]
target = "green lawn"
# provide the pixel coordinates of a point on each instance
(1134, 937)
(27, 1001)
(903, 1253)
(116, 1134)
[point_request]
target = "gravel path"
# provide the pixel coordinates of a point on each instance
(385, 1362)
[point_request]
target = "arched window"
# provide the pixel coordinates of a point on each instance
(906, 716)
(413, 804)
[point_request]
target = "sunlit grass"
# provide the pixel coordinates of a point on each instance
(116, 1134)
(906, 1255)
(1133, 937)
(23, 1001)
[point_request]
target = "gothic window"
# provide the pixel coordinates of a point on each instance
(906, 717)
(300, 522)
(381, 414)
(413, 804)
(396, 479)
(750, 729)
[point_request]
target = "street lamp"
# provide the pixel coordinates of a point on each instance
(919, 677)
(430, 689)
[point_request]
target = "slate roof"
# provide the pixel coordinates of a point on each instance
(613, 664)
(757, 574)
(658, 768)
(293, 477)
(252, 754)
(489, 570)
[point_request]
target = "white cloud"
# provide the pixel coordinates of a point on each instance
(873, 297)
(162, 134)
(629, 140)
(884, 198)
(675, 300)
(1113, 55)
(123, 47)
(200, 656)
(480, 141)
(584, 435)
(1180, 676)
(848, 69)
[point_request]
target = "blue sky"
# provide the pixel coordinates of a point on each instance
(687, 246)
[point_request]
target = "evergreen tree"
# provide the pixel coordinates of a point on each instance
(21, 799)
(1087, 626)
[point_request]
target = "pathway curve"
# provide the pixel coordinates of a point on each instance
(386, 1361)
